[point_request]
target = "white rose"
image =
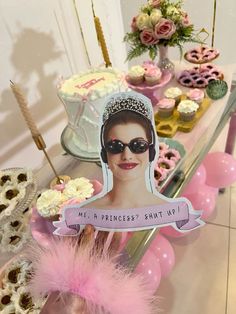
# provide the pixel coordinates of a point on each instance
(155, 16)
(143, 21)
(79, 188)
(49, 198)
(173, 12)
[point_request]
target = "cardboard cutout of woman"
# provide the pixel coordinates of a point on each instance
(129, 200)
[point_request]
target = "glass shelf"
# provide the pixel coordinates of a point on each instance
(140, 241)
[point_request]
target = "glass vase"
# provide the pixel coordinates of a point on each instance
(164, 62)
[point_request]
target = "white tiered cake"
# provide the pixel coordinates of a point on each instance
(83, 96)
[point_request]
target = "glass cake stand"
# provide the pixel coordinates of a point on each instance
(75, 150)
(152, 92)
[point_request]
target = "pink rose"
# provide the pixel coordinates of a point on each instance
(164, 29)
(155, 3)
(134, 26)
(148, 37)
(185, 20)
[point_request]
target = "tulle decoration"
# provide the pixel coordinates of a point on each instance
(103, 286)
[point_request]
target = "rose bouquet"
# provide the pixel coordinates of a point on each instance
(160, 22)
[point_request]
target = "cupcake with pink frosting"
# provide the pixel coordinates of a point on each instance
(166, 107)
(196, 95)
(152, 75)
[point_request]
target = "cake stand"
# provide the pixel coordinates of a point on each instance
(198, 63)
(74, 149)
(152, 92)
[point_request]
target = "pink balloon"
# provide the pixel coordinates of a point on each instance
(204, 199)
(150, 268)
(221, 169)
(198, 179)
(164, 253)
(172, 233)
(215, 191)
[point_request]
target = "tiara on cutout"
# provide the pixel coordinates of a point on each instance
(127, 101)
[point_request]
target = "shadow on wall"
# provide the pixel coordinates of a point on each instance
(31, 52)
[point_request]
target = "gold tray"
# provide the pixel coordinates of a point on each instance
(167, 127)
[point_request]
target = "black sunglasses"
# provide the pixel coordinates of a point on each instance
(136, 146)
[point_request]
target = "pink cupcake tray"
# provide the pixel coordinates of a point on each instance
(167, 127)
(153, 92)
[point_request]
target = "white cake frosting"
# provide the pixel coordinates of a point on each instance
(84, 96)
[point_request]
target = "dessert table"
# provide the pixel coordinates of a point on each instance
(196, 143)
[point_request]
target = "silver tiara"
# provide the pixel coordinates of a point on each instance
(127, 101)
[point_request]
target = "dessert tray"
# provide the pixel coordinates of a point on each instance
(167, 127)
(18, 195)
(17, 190)
(152, 92)
(73, 149)
(167, 145)
(14, 293)
(201, 55)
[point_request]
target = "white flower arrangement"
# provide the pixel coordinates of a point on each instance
(159, 22)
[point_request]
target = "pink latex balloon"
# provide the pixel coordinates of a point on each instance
(215, 191)
(204, 199)
(164, 253)
(220, 168)
(172, 233)
(150, 268)
(198, 179)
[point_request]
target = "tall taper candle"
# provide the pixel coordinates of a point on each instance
(102, 41)
(213, 24)
(37, 137)
(24, 109)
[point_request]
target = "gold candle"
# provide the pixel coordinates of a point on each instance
(213, 25)
(102, 41)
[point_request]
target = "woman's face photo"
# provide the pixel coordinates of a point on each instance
(128, 165)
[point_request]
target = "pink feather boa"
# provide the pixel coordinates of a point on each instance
(100, 283)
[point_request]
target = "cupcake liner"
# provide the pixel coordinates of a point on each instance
(187, 117)
(165, 112)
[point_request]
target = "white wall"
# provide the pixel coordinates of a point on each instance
(40, 41)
